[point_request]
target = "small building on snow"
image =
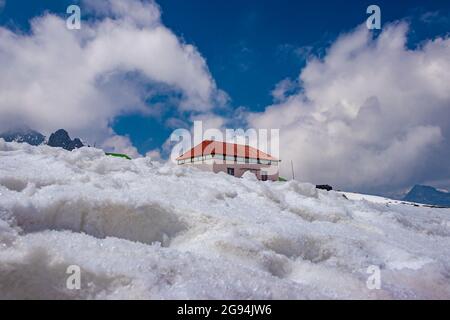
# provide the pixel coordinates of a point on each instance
(233, 159)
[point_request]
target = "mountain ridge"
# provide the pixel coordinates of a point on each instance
(428, 195)
(22, 135)
(59, 138)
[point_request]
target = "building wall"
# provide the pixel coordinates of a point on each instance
(272, 172)
(239, 169)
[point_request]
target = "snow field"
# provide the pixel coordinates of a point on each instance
(144, 230)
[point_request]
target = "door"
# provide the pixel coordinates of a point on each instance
(230, 171)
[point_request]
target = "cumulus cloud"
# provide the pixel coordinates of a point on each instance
(372, 115)
(155, 155)
(282, 89)
(82, 79)
(141, 13)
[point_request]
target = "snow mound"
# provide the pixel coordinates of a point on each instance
(144, 230)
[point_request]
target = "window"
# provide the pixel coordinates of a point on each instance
(230, 171)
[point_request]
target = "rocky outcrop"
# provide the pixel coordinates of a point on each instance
(62, 139)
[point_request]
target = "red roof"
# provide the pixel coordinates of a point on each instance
(209, 147)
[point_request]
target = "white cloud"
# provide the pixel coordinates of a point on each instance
(145, 13)
(154, 155)
(282, 89)
(372, 115)
(210, 121)
(81, 80)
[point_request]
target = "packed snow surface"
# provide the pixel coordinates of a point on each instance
(144, 230)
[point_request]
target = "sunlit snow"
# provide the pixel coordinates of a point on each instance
(144, 230)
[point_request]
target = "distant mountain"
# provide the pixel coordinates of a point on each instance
(23, 135)
(62, 139)
(428, 195)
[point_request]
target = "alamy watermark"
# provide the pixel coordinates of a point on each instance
(73, 281)
(73, 22)
(374, 280)
(373, 22)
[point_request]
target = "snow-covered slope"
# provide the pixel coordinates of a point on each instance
(140, 229)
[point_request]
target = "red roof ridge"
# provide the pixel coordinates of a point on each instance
(245, 151)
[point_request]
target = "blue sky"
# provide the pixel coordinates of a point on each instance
(249, 47)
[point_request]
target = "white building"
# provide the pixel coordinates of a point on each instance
(234, 159)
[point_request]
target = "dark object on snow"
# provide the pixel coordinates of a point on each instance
(324, 187)
(62, 139)
(428, 195)
(23, 135)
